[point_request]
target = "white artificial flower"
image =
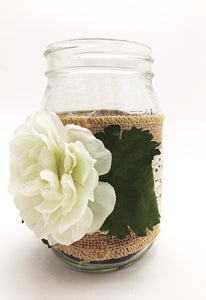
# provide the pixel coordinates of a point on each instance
(55, 179)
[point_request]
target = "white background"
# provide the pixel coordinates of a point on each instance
(175, 268)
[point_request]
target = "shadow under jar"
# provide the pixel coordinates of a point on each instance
(95, 83)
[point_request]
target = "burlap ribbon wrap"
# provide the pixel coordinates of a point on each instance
(100, 246)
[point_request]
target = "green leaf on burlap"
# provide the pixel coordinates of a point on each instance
(131, 176)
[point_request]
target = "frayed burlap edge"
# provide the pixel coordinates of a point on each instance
(97, 124)
(99, 246)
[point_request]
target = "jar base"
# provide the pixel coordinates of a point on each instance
(100, 266)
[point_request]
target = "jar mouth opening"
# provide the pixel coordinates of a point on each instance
(102, 45)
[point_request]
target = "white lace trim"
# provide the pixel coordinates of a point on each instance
(157, 165)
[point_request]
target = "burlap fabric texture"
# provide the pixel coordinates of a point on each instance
(100, 246)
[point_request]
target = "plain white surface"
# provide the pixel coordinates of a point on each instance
(175, 268)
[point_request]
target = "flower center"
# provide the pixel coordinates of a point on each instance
(60, 157)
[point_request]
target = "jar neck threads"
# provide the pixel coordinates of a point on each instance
(98, 54)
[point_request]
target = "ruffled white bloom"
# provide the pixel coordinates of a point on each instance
(55, 179)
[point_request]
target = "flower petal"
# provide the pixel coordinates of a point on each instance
(69, 160)
(34, 221)
(51, 178)
(25, 203)
(84, 162)
(76, 231)
(50, 195)
(77, 211)
(39, 229)
(46, 159)
(70, 195)
(48, 124)
(94, 146)
(48, 206)
(29, 188)
(103, 205)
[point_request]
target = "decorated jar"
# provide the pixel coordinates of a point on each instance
(107, 188)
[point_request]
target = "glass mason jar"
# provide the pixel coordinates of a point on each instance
(95, 83)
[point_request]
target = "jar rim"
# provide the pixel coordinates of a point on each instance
(134, 48)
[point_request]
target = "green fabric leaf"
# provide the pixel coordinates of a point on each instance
(131, 176)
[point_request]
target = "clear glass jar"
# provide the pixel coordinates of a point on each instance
(95, 83)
